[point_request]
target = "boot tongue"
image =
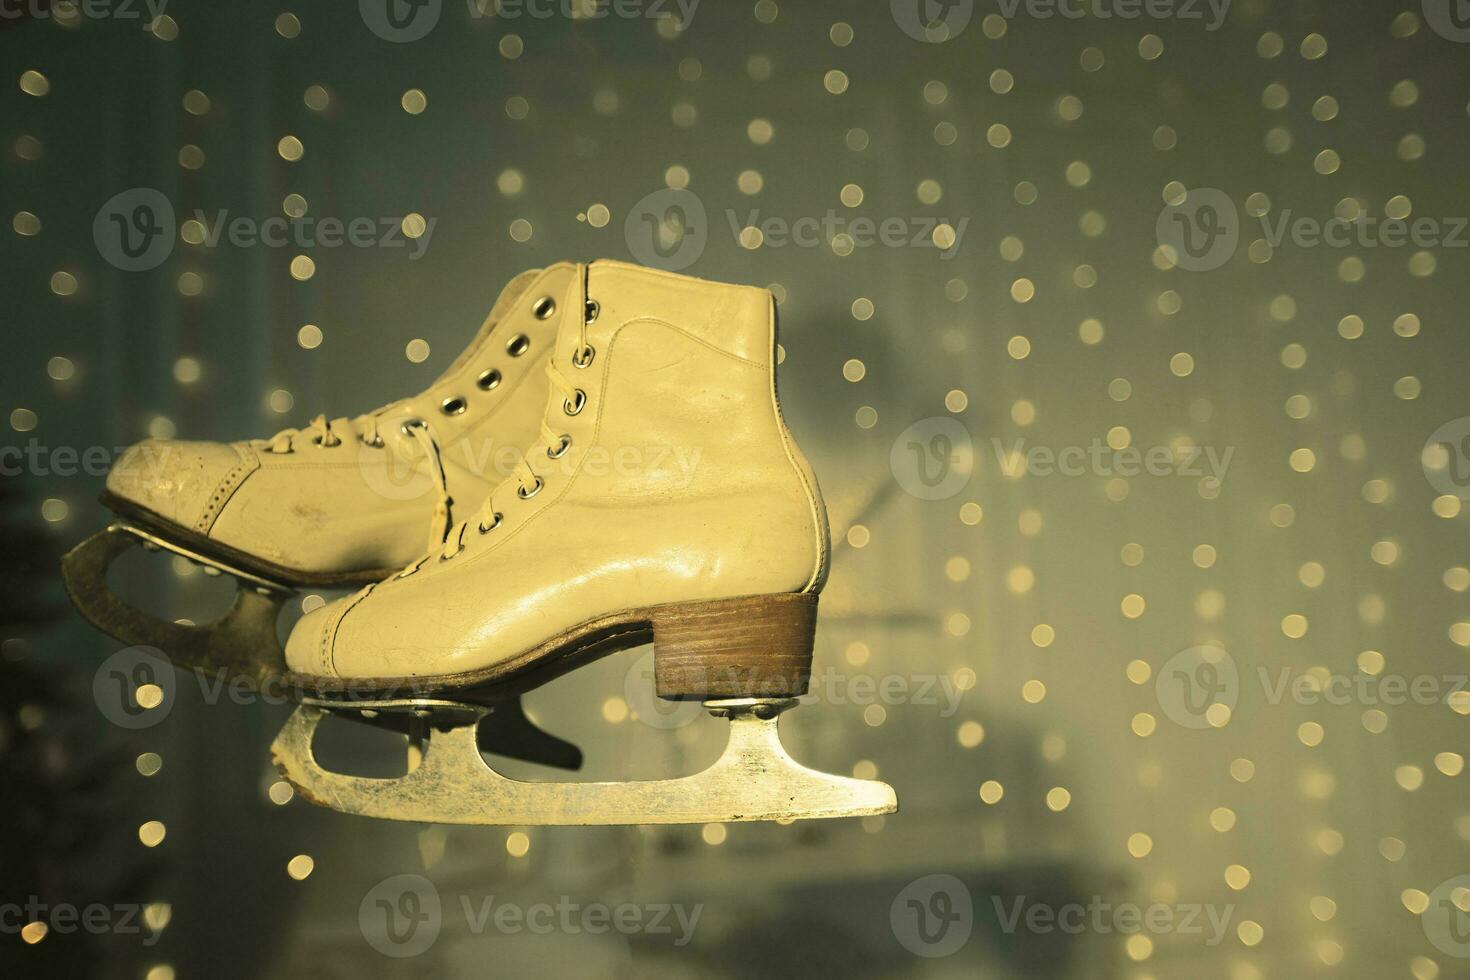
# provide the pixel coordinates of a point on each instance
(507, 300)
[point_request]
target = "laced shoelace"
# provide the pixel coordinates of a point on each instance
(527, 482)
(365, 427)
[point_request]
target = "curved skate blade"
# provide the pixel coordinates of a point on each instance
(242, 643)
(451, 783)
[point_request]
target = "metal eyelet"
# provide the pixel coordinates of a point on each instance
(498, 518)
(319, 441)
(572, 407)
(443, 557)
(561, 448)
(590, 313)
(489, 380)
(521, 491)
(518, 345)
(410, 424)
(544, 308)
(376, 442)
(583, 358)
(454, 405)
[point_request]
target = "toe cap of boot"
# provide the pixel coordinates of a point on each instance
(186, 483)
(307, 649)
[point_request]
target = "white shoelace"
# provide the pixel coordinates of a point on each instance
(527, 483)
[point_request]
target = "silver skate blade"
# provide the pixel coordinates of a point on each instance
(755, 779)
(241, 643)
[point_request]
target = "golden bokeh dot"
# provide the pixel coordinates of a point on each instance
(290, 148)
(309, 337)
(1139, 671)
(34, 83)
(517, 843)
(1143, 724)
(1033, 692)
(991, 792)
(151, 833)
(957, 401)
(971, 513)
(970, 734)
(303, 267)
(300, 867)
(414, 101)
(614, 710)
(858, 536)
(1058, 798)
(520, 230)
(835, 81)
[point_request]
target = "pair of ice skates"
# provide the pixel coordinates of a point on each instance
(662, 499)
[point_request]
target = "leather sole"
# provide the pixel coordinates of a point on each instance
(747, 647)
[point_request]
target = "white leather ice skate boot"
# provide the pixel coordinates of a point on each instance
(665, 500)
(339, 503)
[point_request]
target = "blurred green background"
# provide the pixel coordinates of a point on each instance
(1228, 685)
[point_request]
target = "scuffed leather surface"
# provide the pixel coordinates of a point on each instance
(353, 507)
(596, 539)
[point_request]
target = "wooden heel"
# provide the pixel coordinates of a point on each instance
(751, 647)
